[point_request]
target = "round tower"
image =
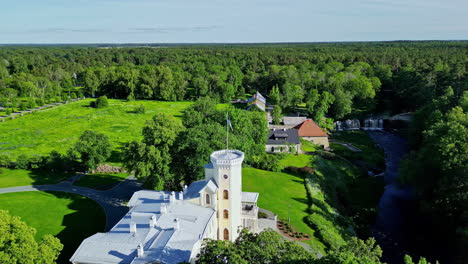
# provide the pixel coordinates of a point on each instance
(227, 173)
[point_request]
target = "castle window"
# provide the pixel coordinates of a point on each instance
(226, 194)
(226, 234)
(226, 214)
(225, 176)
(207, 199)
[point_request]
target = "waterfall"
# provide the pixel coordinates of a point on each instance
(373, 124)
(338, 126)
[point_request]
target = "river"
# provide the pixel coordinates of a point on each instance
(394, 209)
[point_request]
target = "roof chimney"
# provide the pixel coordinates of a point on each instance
(133, 227)
(177, 224)
(172, 197)
(140, 251)
(185, 189)
(152, 221)
(163, 209)
(181, 196)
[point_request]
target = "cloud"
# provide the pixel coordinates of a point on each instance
(157, 30)
(170, 29)
(56, 30)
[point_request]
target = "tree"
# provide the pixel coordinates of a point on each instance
(275, 95)
(312, 100)
(18, 245)
(151, 159)
(266, 247)
(166, 83)
(90, 150)
(200, 141)
(356, 251)
(276, 115)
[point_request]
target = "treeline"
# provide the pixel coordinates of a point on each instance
(438, 169)
(346, 76)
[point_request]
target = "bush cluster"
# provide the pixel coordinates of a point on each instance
(270, 162)
(101, 102)
(326, 230)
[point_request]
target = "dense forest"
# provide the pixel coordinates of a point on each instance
(330, 81)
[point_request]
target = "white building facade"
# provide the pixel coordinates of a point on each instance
(169, 227)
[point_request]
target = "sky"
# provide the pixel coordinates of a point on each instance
(234, 21)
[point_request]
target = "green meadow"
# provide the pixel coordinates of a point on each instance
(59, 128)
(71, 218)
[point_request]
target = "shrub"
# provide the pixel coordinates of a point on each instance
(22, 162)
(101, 102)
(5, 161)
(140, 109)
(40, 102)
(23, 106)
(73, 95)
(31, 104)
(326, 230)
(8, 111)
(266, 161)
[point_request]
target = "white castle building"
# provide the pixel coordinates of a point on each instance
(169, 227)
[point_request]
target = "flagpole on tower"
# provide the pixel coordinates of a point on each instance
(228, 124)
(227, 131)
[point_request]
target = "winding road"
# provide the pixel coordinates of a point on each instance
(112, 200)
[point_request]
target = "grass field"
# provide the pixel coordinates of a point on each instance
(292, 160)
(282, 193)
(59, 128)
(101, 181)
(69, 217)
(11, 178)
(371, 153)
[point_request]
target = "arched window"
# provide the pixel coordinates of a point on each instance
(226, 214)
(226, 234)
(226, 194)
(207, 199)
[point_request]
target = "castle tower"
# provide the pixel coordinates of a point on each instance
(226, 171)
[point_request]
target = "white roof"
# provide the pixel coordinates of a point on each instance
(164, 242)
(293, 120)
(249, 197)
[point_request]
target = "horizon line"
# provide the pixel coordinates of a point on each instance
(234, 43)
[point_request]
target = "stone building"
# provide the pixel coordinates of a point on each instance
(310, 131)
(169, 227)
(283, 140)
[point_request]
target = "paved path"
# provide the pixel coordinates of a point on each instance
(112, 201)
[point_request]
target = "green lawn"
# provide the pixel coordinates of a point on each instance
(308, 146)
(101, 181)
(69, 217)
(11, 178)
(292, 160)
(59, 128)
(278, 191)
(371, 153)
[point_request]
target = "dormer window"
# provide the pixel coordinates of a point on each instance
(207, 199)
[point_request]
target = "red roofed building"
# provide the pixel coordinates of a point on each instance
(310, 131)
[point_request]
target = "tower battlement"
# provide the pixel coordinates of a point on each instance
(227, 157)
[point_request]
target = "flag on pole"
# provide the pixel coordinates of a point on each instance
(229, 122)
